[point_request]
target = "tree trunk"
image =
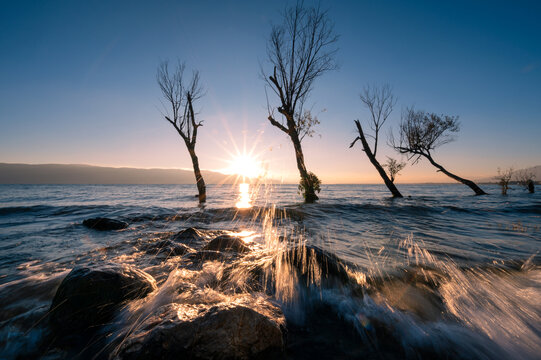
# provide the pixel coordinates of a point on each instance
(201, 188)
(390, 185)
(471, 184)
(310, 194)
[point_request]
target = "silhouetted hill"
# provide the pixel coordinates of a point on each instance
(87, 174)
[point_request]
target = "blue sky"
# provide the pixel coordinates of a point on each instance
(77, 82)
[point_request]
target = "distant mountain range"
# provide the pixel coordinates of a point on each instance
(88, 174)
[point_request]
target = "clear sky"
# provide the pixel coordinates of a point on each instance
(77, 82)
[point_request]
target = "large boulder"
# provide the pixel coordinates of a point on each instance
(104, 224)
(227, 243)
(89, 296)
(229, 330)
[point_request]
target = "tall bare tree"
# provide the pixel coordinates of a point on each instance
(300, 49)
(380, 102)
(420, 133)
(180, 96)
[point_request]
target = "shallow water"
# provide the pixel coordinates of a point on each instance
(440, 273)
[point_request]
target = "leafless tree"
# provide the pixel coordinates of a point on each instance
(180, 96)
(420, 133)
(504, 177)
(394, 167)
(300, 49)
(526, 178)
(380, 102)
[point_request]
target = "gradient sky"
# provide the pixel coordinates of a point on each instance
(77, 82)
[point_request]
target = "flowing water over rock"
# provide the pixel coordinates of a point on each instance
(442, 274)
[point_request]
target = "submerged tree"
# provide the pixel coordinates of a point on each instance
(504, 177)
(380, 103)
(526, 178)
(301, 49)
(420, 133)
(180, 96)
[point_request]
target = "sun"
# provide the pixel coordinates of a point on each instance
(245, 165)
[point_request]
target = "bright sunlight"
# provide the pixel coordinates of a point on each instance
(245, 166)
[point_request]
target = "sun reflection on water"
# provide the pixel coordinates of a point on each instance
(244, 201)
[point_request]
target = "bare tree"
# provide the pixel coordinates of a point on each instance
(301, 49)
(380, 103)
(504, 177)
(526, 178)
(420, 133)
(180, 96)
(394, 167)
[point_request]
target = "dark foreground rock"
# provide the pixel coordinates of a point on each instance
(89, 296)
(104, 224)
(230, 330)
(227, 243)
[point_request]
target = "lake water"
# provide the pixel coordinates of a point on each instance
(442, 273)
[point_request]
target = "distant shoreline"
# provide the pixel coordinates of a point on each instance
(76, 174)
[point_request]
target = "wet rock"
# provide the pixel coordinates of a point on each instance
(312, 261)
(166, 248)
(227, 243)
(89, 296)
(190, 236)
(228, 330)
(104, 224)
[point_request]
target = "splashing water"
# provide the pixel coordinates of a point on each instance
(361, 278)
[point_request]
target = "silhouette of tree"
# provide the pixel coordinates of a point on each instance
(526, 178)
(504, 177)
(420, 133)
(380, 103)
(180, 96)
(394, 167)
(300, 49)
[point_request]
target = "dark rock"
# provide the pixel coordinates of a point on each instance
(189, 236)
(166, 248)
(232, 330)
(104, 224)
(309, 259)
(227, 243)
(89, 296)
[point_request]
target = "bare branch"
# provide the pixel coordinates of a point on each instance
(300, 50)
(421, 132)
(380, 101)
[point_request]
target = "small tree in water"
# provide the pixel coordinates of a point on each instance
(394, 167)
(504, 178)
(526, 179)
(180, 97)
(301, 49)
(380, 103)
(420, 133)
